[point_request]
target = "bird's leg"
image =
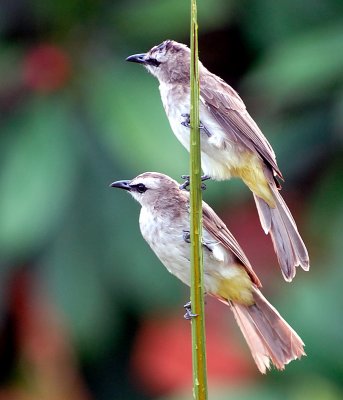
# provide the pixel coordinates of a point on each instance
(186, 236)
(186, 183)
(187, 124)
(189, 315)
(187, 121)
(205, 178)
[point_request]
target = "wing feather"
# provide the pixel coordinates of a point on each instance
(228, 109)
(216, 227)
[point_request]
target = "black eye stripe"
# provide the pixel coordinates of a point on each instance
(140, 187)
(152, 61)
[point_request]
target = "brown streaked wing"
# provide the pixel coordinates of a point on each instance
(230, 112)
(216, 227)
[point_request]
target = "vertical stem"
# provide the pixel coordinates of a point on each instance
(197, 286)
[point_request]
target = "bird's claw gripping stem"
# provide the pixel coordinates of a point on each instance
(187, 124)
(186, 236)
(186, 183)
(189, 315)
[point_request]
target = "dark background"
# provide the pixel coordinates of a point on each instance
(86, 310)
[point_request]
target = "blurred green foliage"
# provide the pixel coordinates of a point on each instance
(74, 117)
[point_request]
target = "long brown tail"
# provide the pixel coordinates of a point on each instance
(268, 335)
(288, 245)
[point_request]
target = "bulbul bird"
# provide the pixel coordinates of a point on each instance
(232, 145)
(165, 224)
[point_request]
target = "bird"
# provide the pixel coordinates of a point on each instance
(228, 275)
(232, 145)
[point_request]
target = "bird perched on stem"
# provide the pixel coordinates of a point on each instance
(165, 222)
(232, 145)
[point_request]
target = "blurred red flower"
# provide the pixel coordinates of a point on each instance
(48, 365)
(162, 362)
(46, 68)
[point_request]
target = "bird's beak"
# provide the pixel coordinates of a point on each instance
(137, 58)
(121, 185)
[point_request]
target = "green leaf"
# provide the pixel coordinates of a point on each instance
(38, 167)
(165, 19)
(126, 106)
(302, 68)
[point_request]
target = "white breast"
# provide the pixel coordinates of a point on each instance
(218, 154)
(176, 103)
(167, 241)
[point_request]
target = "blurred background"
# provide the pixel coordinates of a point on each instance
(86, 310)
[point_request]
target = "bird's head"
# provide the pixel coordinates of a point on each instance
(168, 62)
(150, 188)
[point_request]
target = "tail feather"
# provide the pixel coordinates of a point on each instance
(268, 335)
(288, 245)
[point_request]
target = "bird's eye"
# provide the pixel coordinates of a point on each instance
(141, 188)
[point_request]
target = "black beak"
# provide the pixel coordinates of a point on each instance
(121, 185)
(137, 58)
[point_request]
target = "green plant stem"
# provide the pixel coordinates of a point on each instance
(197, 286)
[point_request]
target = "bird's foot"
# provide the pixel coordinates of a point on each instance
(189, 315)
(187, 121)
(187, 124)
(186, 183)
(186, 236)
